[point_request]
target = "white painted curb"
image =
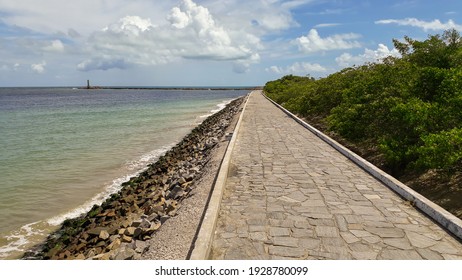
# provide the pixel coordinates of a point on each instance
(436, 212)
(203, 244)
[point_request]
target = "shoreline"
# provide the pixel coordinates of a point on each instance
(174, 88)
(122, 225)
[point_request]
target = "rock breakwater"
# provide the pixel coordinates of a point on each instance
(120, 227)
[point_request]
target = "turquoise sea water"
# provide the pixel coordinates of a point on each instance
(63, 150)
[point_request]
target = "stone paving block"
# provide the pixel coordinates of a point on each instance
(235, 254)
(289, 195)
(302, 224)
(287, 251)
(312, 209)
(322, 222)
(258, 236)
(372, 197)
(227, 235)
(360, 233)
(253, 228)
(285, 241)
(360, 247)
(314, 202)
(300, 233)
(446, 248)
(386, 232)
(452, 257)
(341, 251)
(297, 217)
(309, 243)
(286, 199)
(427, 254)
(378, 224)
(329, 255)
(317, 216)
(373, 239)
(327, 231)
(365, 210)
(435, 235)
(279, 231)
(374, 219)
(394, 254)
(419, 240)
(399, 243)
(353, 219)
(355, 227)
(341, 223)
(334, 241)
(281, 223)
(257, 222)
(349, 238)
(364, 255)
(276, 215)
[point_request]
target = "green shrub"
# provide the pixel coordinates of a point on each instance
(441, 150)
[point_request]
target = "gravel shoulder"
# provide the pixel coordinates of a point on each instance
(174, 240)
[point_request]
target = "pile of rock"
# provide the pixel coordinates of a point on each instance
(118, 229)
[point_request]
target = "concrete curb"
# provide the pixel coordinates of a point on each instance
(203, 244)
(447, 220)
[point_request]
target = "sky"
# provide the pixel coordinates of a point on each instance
(204, 42)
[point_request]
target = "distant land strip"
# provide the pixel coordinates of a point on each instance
(176, 88)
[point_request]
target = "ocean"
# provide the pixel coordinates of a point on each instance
(62, 150)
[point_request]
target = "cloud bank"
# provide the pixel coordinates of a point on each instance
(191, 32)
(298, 68)
(312, 42)
(347, 60)
(435, 25)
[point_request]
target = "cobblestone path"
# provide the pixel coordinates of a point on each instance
(289, 195)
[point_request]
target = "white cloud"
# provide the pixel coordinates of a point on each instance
(102, 63)
(83, 15)
(178, 18)
(301, 68)
(130, 24)
(347, 60)
(191, 32)
(294, 3)
(435, 25)
(322, 25)
(314, 43)
(54, 46)
(259, 16)
(39, 67)
(243, 66)
(279, 22)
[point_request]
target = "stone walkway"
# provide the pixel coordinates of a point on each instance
(289, 195)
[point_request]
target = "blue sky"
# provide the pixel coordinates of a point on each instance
(203, 42)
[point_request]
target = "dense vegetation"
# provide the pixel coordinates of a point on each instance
(404, 114)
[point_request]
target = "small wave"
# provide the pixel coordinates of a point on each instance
(134, 167)
(220, 106)
(19, 239)
(148, 158)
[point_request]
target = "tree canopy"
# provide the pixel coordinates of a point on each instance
(407, 109)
